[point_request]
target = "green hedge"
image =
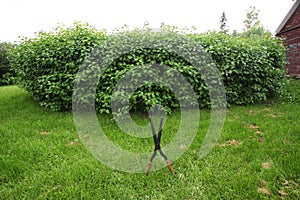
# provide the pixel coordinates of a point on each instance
(47, 64)
(7, 75)
(163, 52)
(252, 70)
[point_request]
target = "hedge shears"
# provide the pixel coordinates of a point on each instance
(157, 138)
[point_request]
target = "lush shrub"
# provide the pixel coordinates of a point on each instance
(252, 69)
(47, 64)
(7, 75)
(120, 53)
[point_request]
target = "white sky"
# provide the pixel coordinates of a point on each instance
(24, 17)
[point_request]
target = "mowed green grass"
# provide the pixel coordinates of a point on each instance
(257, 156)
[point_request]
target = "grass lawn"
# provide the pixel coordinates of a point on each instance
(257, 156)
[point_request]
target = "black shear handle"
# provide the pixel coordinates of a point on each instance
(156, 138)
(157, 147)
(160, 127)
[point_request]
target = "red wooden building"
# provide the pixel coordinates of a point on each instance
(289, 29)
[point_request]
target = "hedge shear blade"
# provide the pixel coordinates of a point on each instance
(157, 147)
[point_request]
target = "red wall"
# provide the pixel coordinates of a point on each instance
(292, 41)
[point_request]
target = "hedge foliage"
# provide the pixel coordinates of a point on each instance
(163, 56)
(7, 74)
(47, 64)
(252, 69)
